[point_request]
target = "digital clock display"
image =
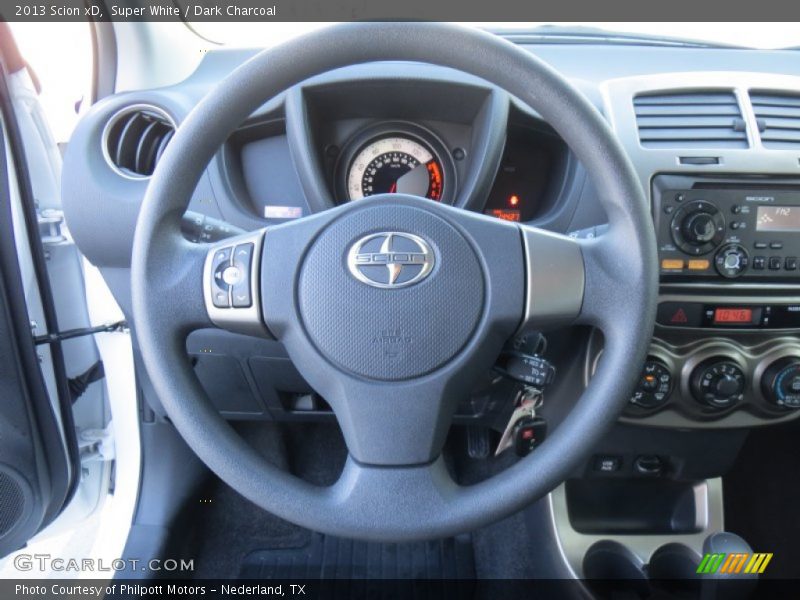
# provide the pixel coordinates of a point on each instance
(733, 315)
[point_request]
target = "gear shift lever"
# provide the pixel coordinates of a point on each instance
(727, 585)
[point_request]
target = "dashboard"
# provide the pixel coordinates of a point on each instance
(717, 149)
(387, 143)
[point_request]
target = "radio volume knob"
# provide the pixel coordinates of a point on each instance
(731, 261)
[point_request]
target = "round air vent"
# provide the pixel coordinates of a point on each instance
(135, 138)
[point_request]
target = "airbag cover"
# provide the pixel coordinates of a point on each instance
(394, 333)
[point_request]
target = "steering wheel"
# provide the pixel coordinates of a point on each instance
(393, 306)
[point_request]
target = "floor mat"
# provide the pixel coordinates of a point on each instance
(327, 557)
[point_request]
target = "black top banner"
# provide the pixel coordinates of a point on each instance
(386, 10)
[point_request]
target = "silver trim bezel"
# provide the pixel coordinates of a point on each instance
(240, 320)
(709, 513)
(114, 118)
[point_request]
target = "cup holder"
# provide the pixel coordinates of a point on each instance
(612, 569)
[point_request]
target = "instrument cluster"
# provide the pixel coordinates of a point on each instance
(406, 158)
(396, 158)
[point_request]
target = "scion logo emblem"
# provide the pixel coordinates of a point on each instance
(390, 259)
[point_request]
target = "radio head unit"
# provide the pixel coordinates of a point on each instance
(729, 233)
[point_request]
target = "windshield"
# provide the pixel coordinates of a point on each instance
(749, 35)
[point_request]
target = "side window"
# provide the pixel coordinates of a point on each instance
(63, 67)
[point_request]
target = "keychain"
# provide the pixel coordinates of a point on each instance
(524, 364)
(525, 430)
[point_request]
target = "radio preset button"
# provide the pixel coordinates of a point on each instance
(672, 264)
(759, 245)
(759, 263)
(775, 263)
(698, 264)
(776, 245)
(791, 263)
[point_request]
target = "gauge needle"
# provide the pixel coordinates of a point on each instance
(415, 182)
(393, 189)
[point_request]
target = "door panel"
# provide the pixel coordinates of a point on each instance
(34, 468)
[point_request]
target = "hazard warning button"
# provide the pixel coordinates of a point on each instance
(680, 314)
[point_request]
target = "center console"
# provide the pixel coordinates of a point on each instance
(726, 349)
(725, 352)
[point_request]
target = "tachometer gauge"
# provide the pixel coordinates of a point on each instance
(395, 164)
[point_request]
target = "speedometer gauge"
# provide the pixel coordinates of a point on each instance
(395, 164)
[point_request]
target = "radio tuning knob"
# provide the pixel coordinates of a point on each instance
(699, 228)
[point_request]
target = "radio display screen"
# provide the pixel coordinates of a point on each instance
(778, 218)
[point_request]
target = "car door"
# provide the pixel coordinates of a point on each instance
(40, 465)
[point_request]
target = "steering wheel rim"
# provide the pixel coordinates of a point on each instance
(383, 500)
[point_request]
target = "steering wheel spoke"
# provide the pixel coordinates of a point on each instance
(392, 425)
(404, 495)
(555, 279)
(231, 284)
(615, 277)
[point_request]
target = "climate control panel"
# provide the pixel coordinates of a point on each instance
(729, 233)
(717, 383)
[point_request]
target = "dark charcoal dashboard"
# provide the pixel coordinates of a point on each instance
(402, 136)
(717, 151)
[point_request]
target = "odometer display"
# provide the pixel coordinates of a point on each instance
(395, 164)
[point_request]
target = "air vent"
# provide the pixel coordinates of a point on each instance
(135, 139)
(778, 118)
(690, 120)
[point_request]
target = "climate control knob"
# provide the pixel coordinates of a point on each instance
(654, 386)
(718, 383)
(780, 383)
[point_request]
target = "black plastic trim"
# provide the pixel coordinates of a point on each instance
(46, 294)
